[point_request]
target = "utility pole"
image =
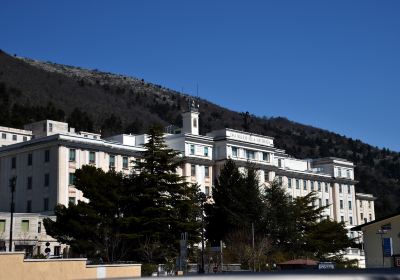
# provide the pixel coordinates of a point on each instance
(13, 181)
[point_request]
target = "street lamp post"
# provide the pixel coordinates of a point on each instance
(13, 181)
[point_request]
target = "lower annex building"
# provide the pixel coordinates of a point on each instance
(44, 167)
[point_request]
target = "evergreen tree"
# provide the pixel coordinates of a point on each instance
(167, 204)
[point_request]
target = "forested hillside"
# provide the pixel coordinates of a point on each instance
(92, 100)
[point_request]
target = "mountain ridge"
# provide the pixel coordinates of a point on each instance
(112, 103)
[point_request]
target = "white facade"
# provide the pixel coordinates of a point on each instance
(9, 135)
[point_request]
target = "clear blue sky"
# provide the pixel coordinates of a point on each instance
(330, 64)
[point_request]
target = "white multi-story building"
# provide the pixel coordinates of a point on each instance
(9, 135)
(45, 165)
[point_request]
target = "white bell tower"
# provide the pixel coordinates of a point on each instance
(190, 119)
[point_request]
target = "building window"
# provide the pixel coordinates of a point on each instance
(194, 122)
(266, 157)
(250, 154)
(327, 202)
(339, 172)
(125, 162)
(342, 219)
(30, 159)
(72, 179)
(234, 152)
(50, 127)
(46, 179)
(29, 183)
(4, 136)
(13, 163)
(280, 180)
(320, 202)
(348, 189)
(319, 186)
(326, 187)
(57, 250)
(72, 154)
(206, 151)
(24, 225)
(340, 188)
(29, 206)
(111, 163)
(289, 181)
(192, 149)
(362, 216)
(351, 220)
(279, 162)
(297, 184)
(207, 171)
(341, 204)
(365, 220)
(71, 200)
(14, 137)
(304, 185)
(2, 225)
(39, 228)
(369, 204)
(361, 203)
(348, 173)
(370, 217)
(46, 155)
(207, 189)
(193, 170)
(24, 138)
(312, 186)
(92, 157)
(46, 204)
(350, 205)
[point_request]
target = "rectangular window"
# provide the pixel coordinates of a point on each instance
(280, 180)
(327, 202)
(193, 170)
(350, 205)
(46, 179)
(351, 220)
(319, 202)
(250, 154)
(369, 204)
(72, 200)
(340, 188)
(361, 204)
(29, 206)
(13, 163)
(279, 162)
(72, 155)
(326, 187)
(24, 225)
(339, 172)
(4, 136)
(266, 176)
(2, 225)
(342, 219)
(319, 186)
(50, 127)
(370, 217)
(92, 157)
(341, 204)
(266, 157)
(14, 137)
(72, 179)
(362, 216)
(312, 186)
(207, 191)
(206, 151)
(29, 183)
(348, 173)
(125, 162)
(304, 185)
(30, 159)
(39, 228)
(365, 220)
(297, 184)
(289, 182)
(112, 162)
(192, 149)
(24, 138)
(57, 250)
(207, 171)
(46, 204)
(46, 155)
(234, 152)
(348, 189)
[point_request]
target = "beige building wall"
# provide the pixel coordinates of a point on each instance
(365, 204)
(14, 266)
